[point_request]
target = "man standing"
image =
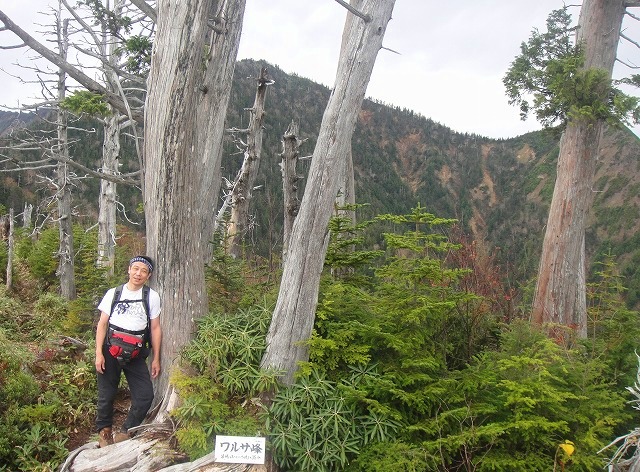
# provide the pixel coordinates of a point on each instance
(124, 332)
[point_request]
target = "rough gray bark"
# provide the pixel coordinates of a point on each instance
(66, 271)
(560, 296)
(148, 451)
(294, 313)
(290, 178)
(242, 191)
(108, 45)
(107, 197)
(347, 192)
(223, 40)
(184, 124)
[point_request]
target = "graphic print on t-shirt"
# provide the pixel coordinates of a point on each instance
(129, 314)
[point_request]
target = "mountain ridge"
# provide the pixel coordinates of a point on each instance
(498, 189)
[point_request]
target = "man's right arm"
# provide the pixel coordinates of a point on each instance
(101, 334)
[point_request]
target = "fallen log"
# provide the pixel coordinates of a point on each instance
(150, 450)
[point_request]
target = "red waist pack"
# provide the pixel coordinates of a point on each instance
(125, 346)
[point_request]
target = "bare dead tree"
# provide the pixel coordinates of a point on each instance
(103, 45)
(189, 89)
(10, 248)
(66, 270)
(294, 314)
(290, 179)
(26, 215)
(74, 72)
(242, 190)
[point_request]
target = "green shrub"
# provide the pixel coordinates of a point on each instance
(226, 354)
(319, 425)
(43, 259)
(391, 456)
(510, 409)
(11, 313)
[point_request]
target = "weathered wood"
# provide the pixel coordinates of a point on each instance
(109, 47)
(152, 450)
(290, 178)
(294, 313)
(107, 197)
(560, 292)
(148, 452)
(242, 191)
(188, 89)
(66, 270)
(223, 43)
(10, 249)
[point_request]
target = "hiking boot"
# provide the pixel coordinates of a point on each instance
(121, 436)
(104, 437)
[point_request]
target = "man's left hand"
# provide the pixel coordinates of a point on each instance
(155, 368)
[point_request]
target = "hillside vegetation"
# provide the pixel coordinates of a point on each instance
(499, 190)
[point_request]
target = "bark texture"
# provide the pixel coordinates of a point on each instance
(66, 271)
(288, 166)
(242, 191)
(107, 198)
(148, 451)
(560, 292)
(294, 313)
(188, 90)
(110, 153)
(222, 41)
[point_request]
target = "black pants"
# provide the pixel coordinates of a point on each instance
(137, 374)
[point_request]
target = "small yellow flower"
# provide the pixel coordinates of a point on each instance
(568, 447)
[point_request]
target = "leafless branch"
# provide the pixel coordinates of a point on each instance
(147, 9)
(635, 17)
(123, 210)
(387, 49)
(16, 46)
(627, 38)
(630, 66)
(358, 13)
(72, 71)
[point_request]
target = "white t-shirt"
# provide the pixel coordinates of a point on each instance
(129, 312)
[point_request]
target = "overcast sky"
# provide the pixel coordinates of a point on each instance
(452, 55)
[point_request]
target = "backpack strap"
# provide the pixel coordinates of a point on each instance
(147, 307)
(116, 298)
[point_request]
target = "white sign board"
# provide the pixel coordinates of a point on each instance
(240, 449)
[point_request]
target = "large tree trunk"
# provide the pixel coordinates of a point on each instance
(560, 295)
(110, 153)
(294, 313)
(212, 108)
(66, 272)
(107, 198)
(181, 158)
(242, 191)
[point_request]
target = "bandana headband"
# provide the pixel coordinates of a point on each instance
(143, 260)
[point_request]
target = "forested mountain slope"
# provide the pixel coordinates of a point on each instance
(498, 189)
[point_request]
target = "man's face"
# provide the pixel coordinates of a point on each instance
(139, 273)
